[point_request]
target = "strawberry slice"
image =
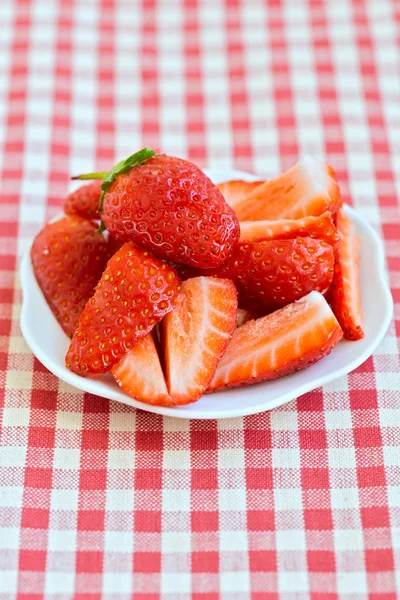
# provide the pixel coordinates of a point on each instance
(195, 335)
(68, 258)
(235, 190)
(84, 201)
(140, 375)
(272, 273)
(309, 188)
(243, 316)
(346, 293)
(136, 291)
(287, 340)
(321, 228)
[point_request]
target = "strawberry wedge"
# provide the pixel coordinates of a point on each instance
(140, 374)
(195, 335)
(287, 340)
(307, 189)
(235, 190)
(320, 228)
(346, 294)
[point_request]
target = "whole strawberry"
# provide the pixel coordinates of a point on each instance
(273, 273)
(169, 206)
(84, 201)
(68, 258)
(270, 274)
(135, 291)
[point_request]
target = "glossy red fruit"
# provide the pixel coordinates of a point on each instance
(195, 335)
(113, 245)
(290, 339)
(140, 375)
(135, 291)
(170, 207)
(346, 292)
(84, 201)
(272, 273)
(68, 258)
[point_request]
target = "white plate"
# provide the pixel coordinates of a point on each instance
(49, 344)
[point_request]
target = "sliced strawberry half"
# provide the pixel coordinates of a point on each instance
(195, 335)
(321, 228)
(140, 375)
(307, 189)
(235, 190)
(135, 291)
(346, 293)
(290, 339)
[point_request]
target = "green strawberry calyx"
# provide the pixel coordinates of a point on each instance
(122, 167)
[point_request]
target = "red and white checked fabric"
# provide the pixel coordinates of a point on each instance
(99, 501)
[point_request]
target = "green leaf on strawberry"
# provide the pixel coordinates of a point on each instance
(123, 166)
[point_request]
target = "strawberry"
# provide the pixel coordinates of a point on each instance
(309, 188)
(140, 375)
(170, 207)
(68, 258)
(84, 201)
(272, 273)
(233, 191)
(135, 291)
(113, 245)
(346, 293)
(290, 339)
(321, 228)
(195, 335)
(243, 316)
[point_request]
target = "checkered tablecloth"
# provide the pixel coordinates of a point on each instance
(100, 501)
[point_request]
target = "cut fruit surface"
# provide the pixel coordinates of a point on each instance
(346, 293)
(321, 228)
(195, 335)
(235, 190)
(287, 340)
(243, 316)
(307, 189)
(140, 375)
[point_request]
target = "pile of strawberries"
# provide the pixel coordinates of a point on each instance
(196, 287)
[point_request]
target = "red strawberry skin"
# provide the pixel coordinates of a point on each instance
(113, 245)
(84, 201)
(136, 291)
(170, 207)
(68, 258)
(270, 274)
